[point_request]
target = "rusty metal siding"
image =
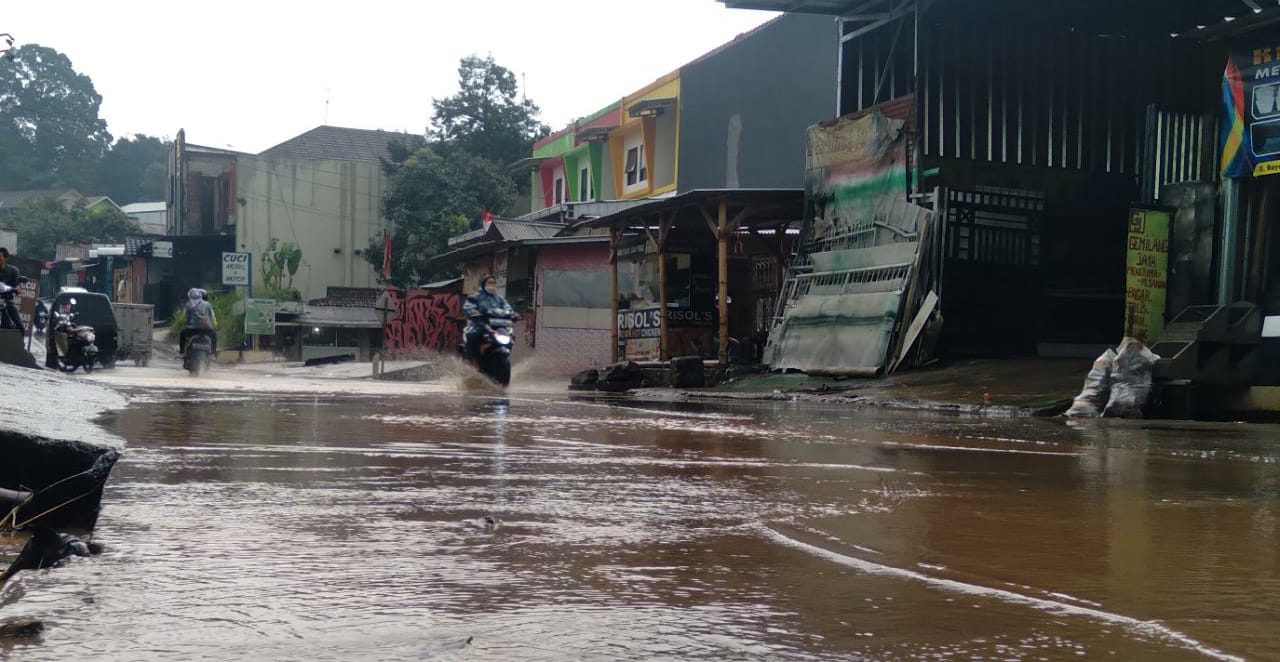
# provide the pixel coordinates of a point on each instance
(1045, 99)
(1180, 147)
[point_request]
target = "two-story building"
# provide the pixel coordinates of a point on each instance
(320, 191)
(732, 119)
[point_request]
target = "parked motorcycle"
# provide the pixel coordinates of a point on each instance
(71, 345)
(196, 358)
(493, 359)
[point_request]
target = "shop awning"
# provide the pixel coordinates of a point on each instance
(342, 317)
(1196, 19)
(750, 208)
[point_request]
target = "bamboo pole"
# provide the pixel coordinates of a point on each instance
(722, 257)
(664, 347)
(613, 289)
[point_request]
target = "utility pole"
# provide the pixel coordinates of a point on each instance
(326, 105)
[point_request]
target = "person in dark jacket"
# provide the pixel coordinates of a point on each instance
(9, 275)
(476, 308)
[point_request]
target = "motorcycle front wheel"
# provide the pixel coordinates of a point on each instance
(500, 369)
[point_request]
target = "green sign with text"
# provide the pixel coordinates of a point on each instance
(260, 317)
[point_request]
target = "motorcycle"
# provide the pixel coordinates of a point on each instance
(493, 359)
(11, 292)
(72, 345)
(195, 359)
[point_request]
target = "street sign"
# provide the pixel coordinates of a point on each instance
(259, 317)
(235, 268)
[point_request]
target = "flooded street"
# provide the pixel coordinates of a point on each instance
(354, 528)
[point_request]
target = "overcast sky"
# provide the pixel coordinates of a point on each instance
(251, 73)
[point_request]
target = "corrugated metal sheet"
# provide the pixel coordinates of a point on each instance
(519, 231)
(1064, 99)
(1180, 147)
(843, 316)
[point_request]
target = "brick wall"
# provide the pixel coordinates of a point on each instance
(564, 352)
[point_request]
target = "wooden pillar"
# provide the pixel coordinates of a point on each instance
(664, 339)
(722, 257)
(780, 251)
(613, 296)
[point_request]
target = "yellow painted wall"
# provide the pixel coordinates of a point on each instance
(664, 88)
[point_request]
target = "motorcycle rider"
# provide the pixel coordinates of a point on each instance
(9, 275)
(198, 307)
(476, 308)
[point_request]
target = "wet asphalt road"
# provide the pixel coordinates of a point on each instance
(352, 527)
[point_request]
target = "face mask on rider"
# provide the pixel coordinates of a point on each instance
(491, 289)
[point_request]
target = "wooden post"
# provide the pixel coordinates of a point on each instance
(722, 257)
(664, 348)
(613, 289)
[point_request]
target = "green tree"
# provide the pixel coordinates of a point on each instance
(134, 170)
(442, 189)
(487, 117)
(43, 223)
(50, 131)
(278, 261)
(431, 198)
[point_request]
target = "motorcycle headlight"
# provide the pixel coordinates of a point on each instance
(89, 337)
(502, 338)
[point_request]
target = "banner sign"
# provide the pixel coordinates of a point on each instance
(235, 268)
(1146, 274)
(28, 292)
(1251, 113)
(639, 323)
(259, 317)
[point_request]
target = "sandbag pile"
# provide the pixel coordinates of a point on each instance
(1118, 385)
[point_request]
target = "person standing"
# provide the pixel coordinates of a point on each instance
(9, 275)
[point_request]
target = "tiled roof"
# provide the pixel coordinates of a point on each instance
(349, 297)
(17, 198)
(340, 144)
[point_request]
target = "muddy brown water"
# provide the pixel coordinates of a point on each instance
(303, 528)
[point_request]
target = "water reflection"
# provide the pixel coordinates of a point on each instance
(302, 527)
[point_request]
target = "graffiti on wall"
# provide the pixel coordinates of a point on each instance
(422, 320)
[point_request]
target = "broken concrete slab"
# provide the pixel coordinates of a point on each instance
(51, 447)
(13, 349)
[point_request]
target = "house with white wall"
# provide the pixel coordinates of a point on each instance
(321, 191)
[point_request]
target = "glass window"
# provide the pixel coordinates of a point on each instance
(633, 166)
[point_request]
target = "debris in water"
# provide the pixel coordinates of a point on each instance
(20, 628)
(488, 523)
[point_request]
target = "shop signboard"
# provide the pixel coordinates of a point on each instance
(235, 268)
(260, 317)
(1146, 274)
(29, 291)
(1251, 113)
(640, 332)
